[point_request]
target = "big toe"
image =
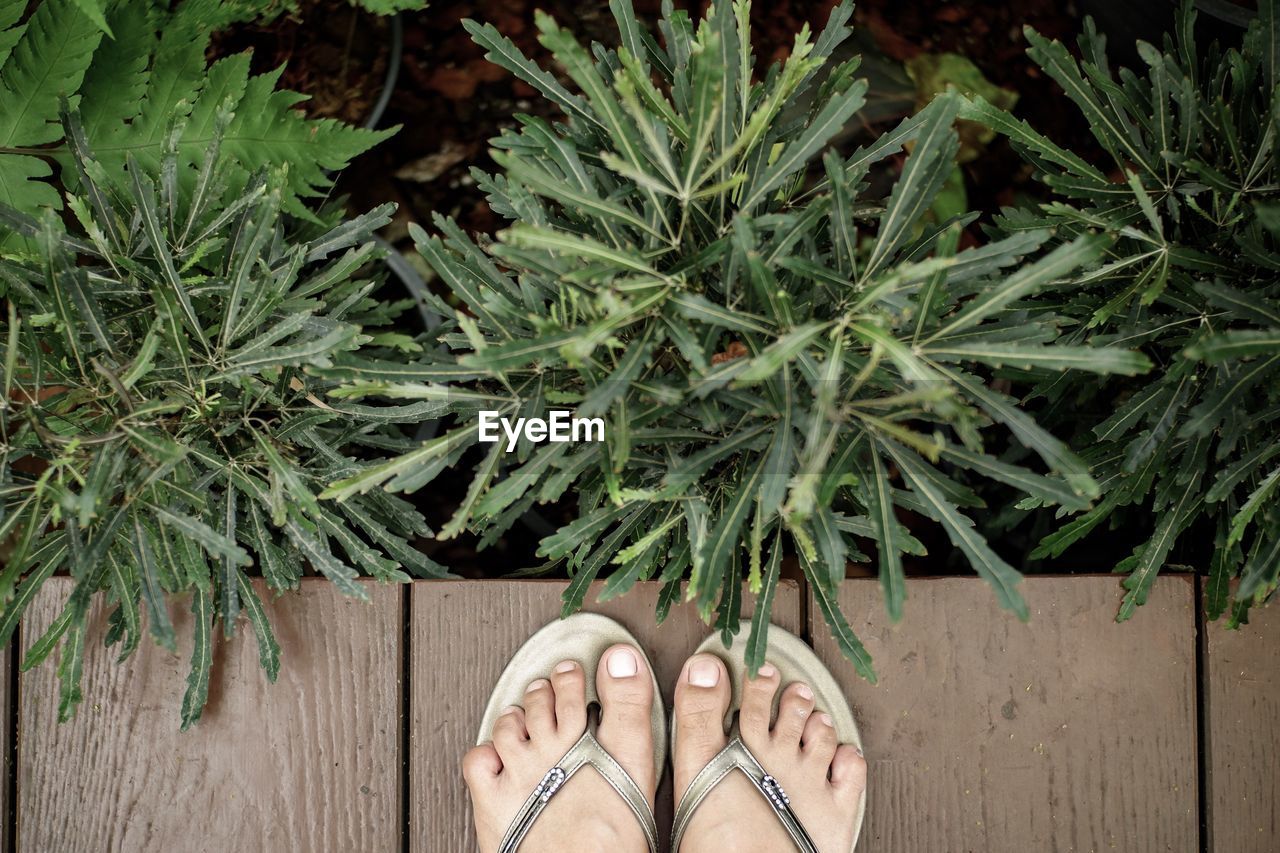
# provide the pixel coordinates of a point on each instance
(702, 702)
(626, 712)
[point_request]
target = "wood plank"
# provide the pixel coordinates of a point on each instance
(311, 763)
(463, 634)
(1070, 733)
(6, 746)
(1242, 695)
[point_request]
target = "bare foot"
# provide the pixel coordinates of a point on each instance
(823, 779)
(586, 814)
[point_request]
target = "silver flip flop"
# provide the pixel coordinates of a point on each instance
(794, 661)
(583, 637)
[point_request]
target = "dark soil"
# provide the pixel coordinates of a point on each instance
(332, 51)
(451, 101)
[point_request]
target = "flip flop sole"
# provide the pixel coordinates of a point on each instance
(582, 637)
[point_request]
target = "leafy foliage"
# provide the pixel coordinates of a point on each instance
(134, 88)
(783, 360)
(1192, 278)
(160, 429)
(231, 11)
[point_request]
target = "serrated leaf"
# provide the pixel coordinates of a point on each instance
(1240, 521)
(925, 172)
(1055, 357)
(1002, 577)
(197, 694)
(1151, 556)
(1235, 344)
(268, 648)
(849, 644)
(885, 526)
(757, 642)
(722, 543)
(1024, 282)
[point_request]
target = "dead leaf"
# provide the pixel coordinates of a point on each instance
(424, 170)
(736, 349)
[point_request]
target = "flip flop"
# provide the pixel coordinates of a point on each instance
(795, 661)
(583, 637)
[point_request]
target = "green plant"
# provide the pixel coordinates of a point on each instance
(782, 360)
(1192, 278)
(134, 88)
(160, 429)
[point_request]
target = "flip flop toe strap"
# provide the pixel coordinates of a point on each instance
(586, 752)
(736, 756)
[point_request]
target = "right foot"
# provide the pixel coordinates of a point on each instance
(824, 779)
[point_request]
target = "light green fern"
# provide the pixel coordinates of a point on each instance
(146, 85)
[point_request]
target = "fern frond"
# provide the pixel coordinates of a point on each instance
(47, 62)
(10, 29)
(138, 89)
(96, 11)
(116, 81)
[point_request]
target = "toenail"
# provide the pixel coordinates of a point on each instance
(704, 673)
(622, 663)
(510, 709)
(858, 750)
(767, 671)
(825, 719)
(536, 685)
(566, 666)
(804, 692)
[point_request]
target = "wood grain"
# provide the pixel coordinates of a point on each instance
(1070, 733)
(463, 634)
(309, 764)
(1242, 692)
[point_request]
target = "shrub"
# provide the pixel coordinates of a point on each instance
(160, 430)
(1195, 209)
(135, 87)
(783, 359)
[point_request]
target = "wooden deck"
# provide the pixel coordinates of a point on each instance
(1067, 734)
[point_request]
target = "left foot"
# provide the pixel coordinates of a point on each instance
(587, 813)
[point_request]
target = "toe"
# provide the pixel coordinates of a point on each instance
(702, 701)
(539, 709)
(849, 771)
(626, 711)
(793, 714)
(569, 683)
(509, 733)
(626, 690)
(757, 706)
(819, 740)
(481, 765)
